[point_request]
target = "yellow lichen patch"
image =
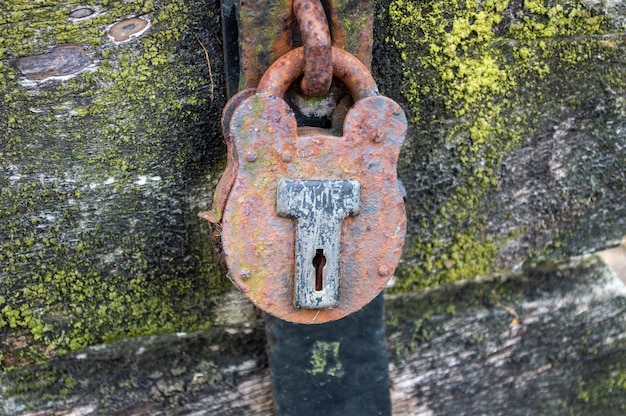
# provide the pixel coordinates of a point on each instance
(468, 62)
(325, 359)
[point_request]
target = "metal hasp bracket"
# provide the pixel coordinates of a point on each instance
(258, 32)
(339, 367)
(318, 206)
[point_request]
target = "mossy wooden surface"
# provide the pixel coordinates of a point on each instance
(515, 151)
(102, 175)
(516, 142)
(546, 340)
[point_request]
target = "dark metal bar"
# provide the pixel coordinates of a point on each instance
(230, 36)
(265, 33)
(351, 27)
(334, 369)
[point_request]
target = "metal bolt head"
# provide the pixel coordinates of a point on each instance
(377, 136)
(251, 156)
(245, 274)
(383, 270)
(287, 157)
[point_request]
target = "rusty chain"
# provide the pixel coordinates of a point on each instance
(343, 65)
(318, 68)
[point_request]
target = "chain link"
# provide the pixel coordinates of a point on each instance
(318, 68)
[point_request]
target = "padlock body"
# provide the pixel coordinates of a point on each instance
(260, 245)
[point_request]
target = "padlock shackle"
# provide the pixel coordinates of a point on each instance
(286, 69)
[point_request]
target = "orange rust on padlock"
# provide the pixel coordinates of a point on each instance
(214, 216)
(318, 70)
(345, 67)
(267, 147)
(284, 72)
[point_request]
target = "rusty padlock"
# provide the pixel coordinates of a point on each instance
(312, 225)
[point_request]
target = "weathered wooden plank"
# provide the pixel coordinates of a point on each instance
(103, 168)
(515, 147)
(213, 372)
(548, 339)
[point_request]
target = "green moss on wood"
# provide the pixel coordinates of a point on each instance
(604, 390)
(94, 240)
(476, 74)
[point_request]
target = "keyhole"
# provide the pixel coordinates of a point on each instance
(318, 262)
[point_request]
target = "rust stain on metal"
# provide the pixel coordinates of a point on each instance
(258, 245)
(352, 23)
(318, 70)
(59, 62)
(225, 184)
(266, 28)
(227, 179)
